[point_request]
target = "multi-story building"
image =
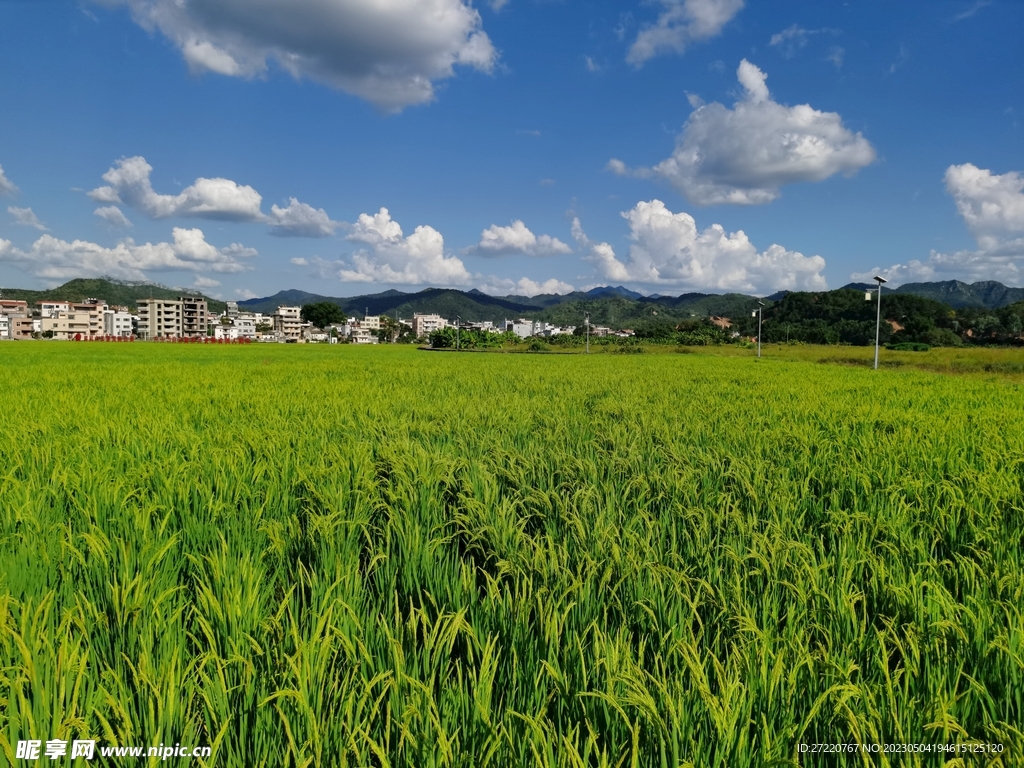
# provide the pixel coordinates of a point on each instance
(20, 326)
(194, 315)
(94, 309)
(5, 327)
(245, 323)
(52, 308)
(67, 325)
(118, 322)
(288, 322)
(232, 308)
(424, 325)
(13, 307)
(159, 319)
(363, 336)
(370, 323)
(521, 328)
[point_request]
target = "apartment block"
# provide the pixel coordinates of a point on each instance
(288, 322)
(194, 315)
(94, 309)
(159, 319)
(424, 325)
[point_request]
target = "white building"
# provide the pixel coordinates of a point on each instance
(225, 332)
(370, 323)
(363, 336)
(117, 322)
(245, 323)
(522, 328)
(52, 308)
(5, 327)
(424, 325)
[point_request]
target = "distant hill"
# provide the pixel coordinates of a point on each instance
(617, 306)
(111, 291)
(470, 305)
(987, 294)
(607, 305)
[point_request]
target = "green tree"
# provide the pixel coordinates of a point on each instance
(322, 314)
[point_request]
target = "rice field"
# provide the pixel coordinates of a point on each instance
(344, 556)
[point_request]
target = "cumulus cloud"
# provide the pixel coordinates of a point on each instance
(992, 207)
(26, 217)
(128, 183)
(668, 249)
(299, 261)
(390, 54)
(205, 282)
(680, 23)
(113, 216)
(745, 154)
(50, 257)
(245, 293)
(300, 220)
(7, 187)
(517, 239)
(390, 257)
(524, 287)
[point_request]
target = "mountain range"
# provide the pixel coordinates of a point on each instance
(607, 305)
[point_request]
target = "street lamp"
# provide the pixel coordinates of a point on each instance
(586, 325)
(757, 313)
(878, 319)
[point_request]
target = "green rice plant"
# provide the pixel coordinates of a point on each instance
(338, 556)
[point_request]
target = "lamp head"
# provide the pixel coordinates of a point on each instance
(880, 279)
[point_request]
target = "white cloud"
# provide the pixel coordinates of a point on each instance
(517, 239)
(743, 155)
(976, 6)
(393, 258)
(245, 293)
(389, 53)
(26, 217)
(128, 183)
(795, 37)
(496, 286)
(113, 216)
(681, 22)
(50, 257)
(205, 282)
(835, 55)
(497, 5)
(6, 185)
(992, 206)
(300, 220)
(668, 249)
(299, 261)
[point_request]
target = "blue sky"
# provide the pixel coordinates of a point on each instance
(349, 146)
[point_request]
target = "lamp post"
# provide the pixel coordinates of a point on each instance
(757, 313)
(878, 317)
(586, 325)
